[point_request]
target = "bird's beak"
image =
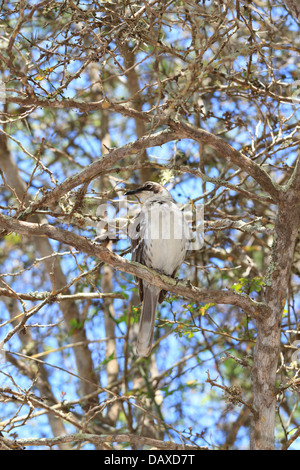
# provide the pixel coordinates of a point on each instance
(133, 191)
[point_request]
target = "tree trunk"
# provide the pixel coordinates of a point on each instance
(269, 328)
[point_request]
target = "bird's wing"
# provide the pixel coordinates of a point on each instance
(136, 232)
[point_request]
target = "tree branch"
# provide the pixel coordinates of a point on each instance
(254, 309)
(96, 439)
(225, 149)
(97, 167)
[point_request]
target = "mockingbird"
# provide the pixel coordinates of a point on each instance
(159, 238)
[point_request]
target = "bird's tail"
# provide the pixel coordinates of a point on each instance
(147, 320)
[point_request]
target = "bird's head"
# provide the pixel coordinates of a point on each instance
(148, 190)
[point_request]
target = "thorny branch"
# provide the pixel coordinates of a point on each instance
(205, 93)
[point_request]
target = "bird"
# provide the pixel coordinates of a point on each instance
(159, 240)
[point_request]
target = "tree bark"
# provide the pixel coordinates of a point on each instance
(269, 328)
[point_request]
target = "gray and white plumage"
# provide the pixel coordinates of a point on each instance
(159, 236)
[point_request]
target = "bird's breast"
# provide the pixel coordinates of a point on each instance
(165, 235)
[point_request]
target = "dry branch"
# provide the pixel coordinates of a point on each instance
(253, 308)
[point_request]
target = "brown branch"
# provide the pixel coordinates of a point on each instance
(180, 129)
(232, 394)
(133, 439)
(254, 309)
(78, 296)
(227, 151)
(97, 167)
(295, 436)
(293, 6)
(80, 105)
(293, 185)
